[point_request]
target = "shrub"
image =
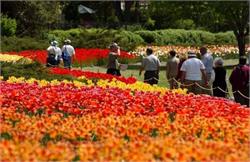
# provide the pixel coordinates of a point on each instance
(128, 40)
(20, 44)
(150, 37)
(133, 28)
(150, 23)
(225, 38)
(8, 26)
(184, 24)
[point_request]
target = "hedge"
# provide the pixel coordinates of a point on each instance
(19, 44)
(186, 37)
(128, 40)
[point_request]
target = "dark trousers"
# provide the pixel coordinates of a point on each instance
(151, 77)
(240, 99)
(114, 72)
(51, 61)
(67, 62)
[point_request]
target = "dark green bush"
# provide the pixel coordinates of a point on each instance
(184, 24)
(97, 38)
(8, 26)
(19, 44)
(225, 38)
(128, 40)
(150, 37)
(185, 37)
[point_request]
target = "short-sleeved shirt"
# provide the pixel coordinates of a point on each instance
(207, 60)
(193, 67)
(172, 66)
(55, 51)
(151, 63)
(70, 49)
(112, 61)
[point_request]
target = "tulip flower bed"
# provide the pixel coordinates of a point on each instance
(82, 55)
(14, 59)
(91, 75)
(45, 121)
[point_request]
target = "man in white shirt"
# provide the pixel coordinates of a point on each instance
(207, 60)
(54, 54)
(68, 54)
(193, 70)
(151, 65)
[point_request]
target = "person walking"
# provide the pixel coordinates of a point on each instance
(193, 71)
(68, 54)
(240, 81)
(113, 64)
(54, 55)
(207, 60)
(183, 58)
(172, 70)
(151, 65)
(220, 79)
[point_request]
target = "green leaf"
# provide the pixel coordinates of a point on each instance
(154, 132)
(46, 138)
(126, 138)
(76, 158)
(6, 136)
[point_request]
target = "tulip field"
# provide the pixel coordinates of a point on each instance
(87, 56)
(98, 117)
(217, 50)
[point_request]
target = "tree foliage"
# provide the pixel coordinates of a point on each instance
(236, 16)
(8, 26)
(33, 16)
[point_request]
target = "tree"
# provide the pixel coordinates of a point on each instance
(236, 16)
(33, 16)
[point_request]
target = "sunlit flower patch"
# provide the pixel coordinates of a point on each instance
(45, 121)
(14, 58)
(101, 82)
(163, 51)
(92, 75)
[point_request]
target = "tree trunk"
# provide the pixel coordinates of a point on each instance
(241, 43)
(118, 11)
(137, 11)
(127, 12)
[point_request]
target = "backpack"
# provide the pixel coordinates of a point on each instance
(65, 54)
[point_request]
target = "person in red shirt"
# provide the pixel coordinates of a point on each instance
(240, 82)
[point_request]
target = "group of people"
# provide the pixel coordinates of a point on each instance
(58, 55)
(199, 76)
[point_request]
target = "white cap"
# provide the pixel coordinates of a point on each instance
(54, 43)
(114, 45)
(67, 41)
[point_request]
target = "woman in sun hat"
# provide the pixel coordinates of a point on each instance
(220, 78)
(113, 64)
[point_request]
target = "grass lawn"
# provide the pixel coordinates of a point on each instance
(162, 81)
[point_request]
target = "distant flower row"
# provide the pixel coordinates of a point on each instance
(218, 50)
